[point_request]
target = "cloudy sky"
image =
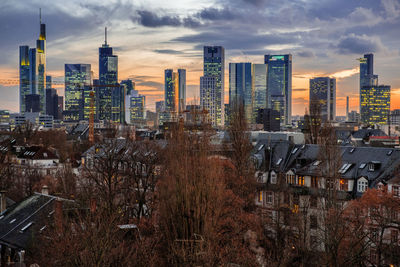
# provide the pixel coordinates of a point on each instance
(324, 37)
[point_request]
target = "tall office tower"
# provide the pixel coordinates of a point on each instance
(208, 97)
(214, 66)
(160, 105)
(118, 97)
(48, 82)
(347, 108)
(24, 80)
(323, 95)
(182, 89)
(40, 67)
(279, 85)
(60, 107)
(137, 108)
(171, 91)
(108, 82)
(77, 91)
(52, 102)
(367, 76)
(259, 76)
(241, 88)
(375, 104)
(130, 85)
(130, 91)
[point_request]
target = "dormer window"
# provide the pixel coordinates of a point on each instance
(362, 185)
(279, 161)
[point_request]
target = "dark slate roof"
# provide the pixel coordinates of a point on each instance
(36, 152)
(22, 221)
(365, 133)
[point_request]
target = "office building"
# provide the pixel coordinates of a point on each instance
(323, 95)
(367, 76)
(60, 108)
(270, 119)
(173, 83)
(24, 79)
(279, 85)
(52, 102)
(108, 83)
(241, 88)
(347, 108)
(375, 104)
(208, 97)
(137, 108)
(182, 89)
(77, 91)
(48, 82)
(32, 103)
(259, 77)
(214, 66)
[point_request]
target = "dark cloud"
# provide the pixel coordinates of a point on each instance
(150, 19)
(168, 51)
(217, 14)
(305, 54)
(359, 44)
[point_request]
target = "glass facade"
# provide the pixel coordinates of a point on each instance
(182, 89)
(241, 88)
(171, 90)
(109, 92)
(77, 91)
(323, 94)
(207, 97)
(24, 80)
(137, 108)
(214, 66)
(375, 104)
(279, 85)
(259, 73)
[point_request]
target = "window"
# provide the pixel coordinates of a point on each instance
(313, 222)
(260, 196)
(396, 191)
(394, 236)
(362, 166)
(362, 185)
(344, 185)
(279, 161)
(316, 163)
(273, 178)
(371, 167)
(290, 178)
(300, 181)
(330, 183)
(314, 182)
(270, 197)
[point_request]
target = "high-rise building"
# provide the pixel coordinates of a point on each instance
(108, 83)
(77, 91)
(367, 76)
(60, 107)
(24, 79)
(279, 85)
(208, 97)
(270, 119)
(214, 66)
(52, 102)
(182, 89)
(48, 82)
(130, 91)
(259, 76)
(347, 108)
(241, 88)
(171, 90)
(323, 94)
(32, 71)
(32, 103)
(375, 104)
(137, 108)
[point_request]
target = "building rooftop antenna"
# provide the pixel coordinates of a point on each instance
(105, 36)
(40, 15)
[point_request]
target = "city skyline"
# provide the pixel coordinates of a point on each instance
(143, 59)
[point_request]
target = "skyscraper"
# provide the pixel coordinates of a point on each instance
(182, 89)
(241, 88)
(375, 104)
(279, 85)
(259, 76)
(129, 91)
(137, 108)
(207, 97)
(347, 108)
(323, 94)
(214, 66)
(32, 70)
(52, 102)
(108, 82)
(24, 79)
(77, 91)
(171, 90)
(367, 77)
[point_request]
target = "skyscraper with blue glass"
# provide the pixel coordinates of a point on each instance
(323, 94)
(24, 79)
(259, 75)
(279, 85)
(77, 91)
(241, 88)
(214, 66)
(109, 106)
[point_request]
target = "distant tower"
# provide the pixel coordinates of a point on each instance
(323, 94)
(347, 108)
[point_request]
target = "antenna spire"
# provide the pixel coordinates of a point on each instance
(40, 15)
(105, 35)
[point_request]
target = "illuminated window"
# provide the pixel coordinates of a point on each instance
(301, 180)
(260, 196)
(344, 185)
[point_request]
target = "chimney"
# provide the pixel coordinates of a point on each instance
(58, 215)
(3, 200)
(45, 190)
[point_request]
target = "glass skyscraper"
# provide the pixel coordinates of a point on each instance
(32, 70)
(171, 90)
(77, 91)
(182, 89)
(108, 83)
(214, 66)
(259, 73)
(279, 85)
(375, 104)
(323, 94)
(241, 88)
(207, 97)
(137, 108)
